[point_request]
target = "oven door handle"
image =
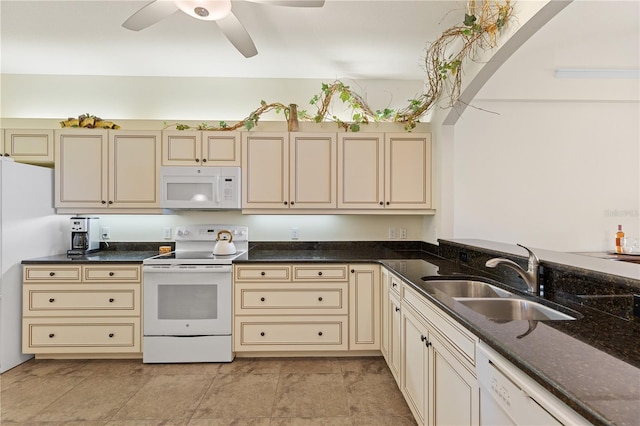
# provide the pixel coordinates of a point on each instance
(213, 269)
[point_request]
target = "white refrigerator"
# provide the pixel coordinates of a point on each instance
(29, 228)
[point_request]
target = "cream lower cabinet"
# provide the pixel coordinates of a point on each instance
(200, 148)
(364, 307)
(290, 308)
(80, 311)
(107, 169)
(384, 171)
(28, 146)
(438, 376)
(289, 171)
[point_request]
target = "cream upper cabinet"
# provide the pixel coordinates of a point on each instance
(364, 307)
(201, 148)
(28, 146)
(289, 171)
(384, 171)
(98, 169)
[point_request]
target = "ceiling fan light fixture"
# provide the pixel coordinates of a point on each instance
(207, 10)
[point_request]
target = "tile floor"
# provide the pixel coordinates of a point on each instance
(300, 391)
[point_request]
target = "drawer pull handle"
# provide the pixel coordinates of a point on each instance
(262, 299)
(263, 273)
(111, 334)
(111, 274)
(320, 333)
(51, 274)
(320, 273)
(262, 333)
(51, 336)
(320, 299)
(397, 309)
(111, 300)
(52, 300)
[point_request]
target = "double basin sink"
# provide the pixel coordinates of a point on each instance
(495, 303)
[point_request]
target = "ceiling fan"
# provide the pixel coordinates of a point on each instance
(209, 10)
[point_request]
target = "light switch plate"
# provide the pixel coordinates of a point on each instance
(106, 233)
(167, 233)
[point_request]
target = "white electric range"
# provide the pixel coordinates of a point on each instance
(187, 297)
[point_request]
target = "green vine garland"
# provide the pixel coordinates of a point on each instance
(478, 31)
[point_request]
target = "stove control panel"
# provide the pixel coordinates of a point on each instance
(210, 232)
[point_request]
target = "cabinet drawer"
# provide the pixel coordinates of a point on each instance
(112, 273)
(42, 300)
(461, 340)
(51, 273)
(394, 285)
(283, 299)
(263, 273)
(290, 334)
(46, 335)
(320, 273)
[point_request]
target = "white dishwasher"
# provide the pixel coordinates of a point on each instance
(509, 397)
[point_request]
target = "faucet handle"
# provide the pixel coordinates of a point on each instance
(533, 259)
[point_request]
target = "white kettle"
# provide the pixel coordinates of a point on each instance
(224, 245)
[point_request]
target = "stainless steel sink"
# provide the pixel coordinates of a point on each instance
(505, 309)
(467, 288)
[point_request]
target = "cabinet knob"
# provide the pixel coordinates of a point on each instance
(262, 333)
(422, 338)
(397, 309)
(285, 203)
(111, 274)
(103, 202)
(6, 154)
(427, 343)
(51, 274)
(52, 300)
(110, 202)
(388, 203)
(204, 160)
(111, 334)
(197, 160)
(319, 333)
(293, 202)
(263, 273)
(353, 271)
(394, 285)
(51, 335)
(320, 273)
(381, 203)
(320, 299)
(262, 299)
(111, 300)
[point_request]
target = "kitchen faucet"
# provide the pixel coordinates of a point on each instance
(530, 276)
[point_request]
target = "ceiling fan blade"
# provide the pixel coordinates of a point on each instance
(292, 3)
(237, 35)
(153, 12)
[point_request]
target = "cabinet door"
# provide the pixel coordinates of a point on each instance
(454, 389)
(265, 170)
(395, 320)
(313, 170)
(181, 148)
(221, 148)
(415, 364)
(81, 168)
(364, 307)
(407, 171)
(361, 171)
(134, 161)
(29, 146)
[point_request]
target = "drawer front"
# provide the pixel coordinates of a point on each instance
(283, 299)
(267, 273)
(320, 273)
(74, 302)
(394, 284)
(81, 336)
(460, 339)
(112, 273)
(290, 334)
(52, 273)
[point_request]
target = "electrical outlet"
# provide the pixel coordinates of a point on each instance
(295, 233)
(403, 233)
(106, 233)
(167, 233)
(392, 233)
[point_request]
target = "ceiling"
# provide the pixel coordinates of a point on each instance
(344, 39)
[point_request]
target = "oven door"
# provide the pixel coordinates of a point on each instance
(187, 300)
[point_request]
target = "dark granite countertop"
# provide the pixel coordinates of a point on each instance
(592, 363)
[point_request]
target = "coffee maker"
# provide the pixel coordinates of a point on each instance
(85, 235)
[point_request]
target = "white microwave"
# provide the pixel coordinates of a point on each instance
(200, 188)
